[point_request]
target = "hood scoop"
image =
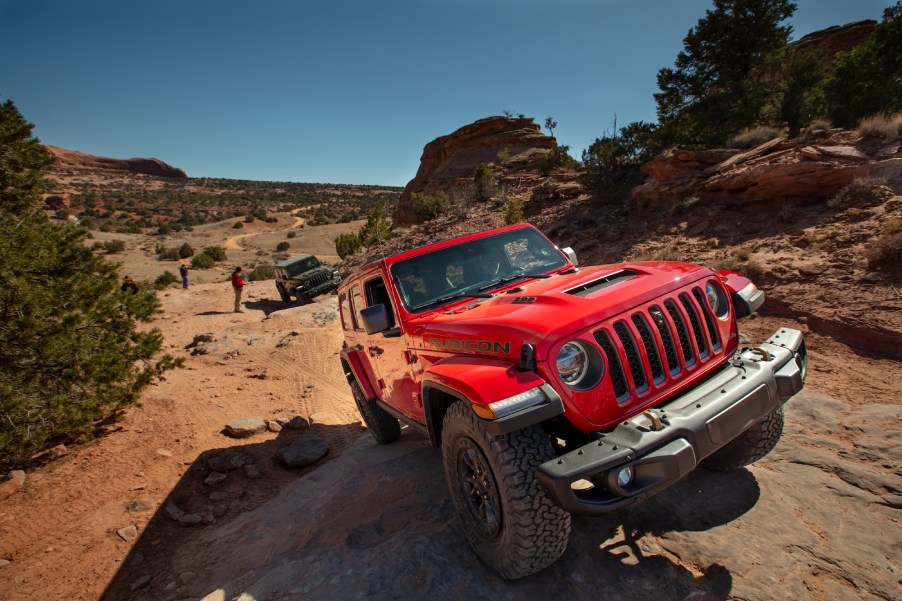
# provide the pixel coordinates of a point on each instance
(612, 279)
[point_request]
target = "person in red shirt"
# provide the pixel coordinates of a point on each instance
(238, 286)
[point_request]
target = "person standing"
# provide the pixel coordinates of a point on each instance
(238, 285)
(129, 285)
(183, 270)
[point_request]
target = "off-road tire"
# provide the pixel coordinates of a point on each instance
(750, 446)
(286, 298)
(382, 426)
(506, 516)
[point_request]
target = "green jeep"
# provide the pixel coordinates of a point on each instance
(305, 277)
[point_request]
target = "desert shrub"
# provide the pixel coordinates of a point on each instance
(427, 207)
(261, 272)
(283, 246)
(885, 251)
(164, 279)
(749, 138)
(376, 229)
(513, 211)
(202, 261)
(741, 260)
(185, 251)
(862, 191)
(484, 180)
(347, 244)
(217, 253)
(880, 127)
(249, 218)
(113, 246)
(168, 254)
(291, 234)
(71, 351)
(556, 158)
(238, 225)
(816, 128)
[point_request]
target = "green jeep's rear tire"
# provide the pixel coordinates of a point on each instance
(382, 426)
(750, 446)
(506, 516)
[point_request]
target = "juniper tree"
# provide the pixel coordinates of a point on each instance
(70, 349)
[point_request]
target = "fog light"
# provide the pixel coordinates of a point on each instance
(625, 477)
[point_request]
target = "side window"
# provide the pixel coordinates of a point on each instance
(356, 305)
(344, 307)
(377, 294)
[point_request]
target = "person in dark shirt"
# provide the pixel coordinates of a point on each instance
(183, 270)
(129, 285)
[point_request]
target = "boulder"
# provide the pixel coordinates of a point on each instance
(246, 427)
(304, 451)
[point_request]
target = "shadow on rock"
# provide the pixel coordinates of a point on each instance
(267, 306)
(377, 523)
(218, 487)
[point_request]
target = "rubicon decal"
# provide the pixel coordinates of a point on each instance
(474, 346)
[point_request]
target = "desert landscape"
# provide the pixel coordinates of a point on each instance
(167, 505)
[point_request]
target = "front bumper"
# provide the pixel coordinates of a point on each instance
(320, 289)
(666, 443)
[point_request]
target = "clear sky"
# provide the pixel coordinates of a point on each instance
(338, 91)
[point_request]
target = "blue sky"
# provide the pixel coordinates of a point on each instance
(338, 91)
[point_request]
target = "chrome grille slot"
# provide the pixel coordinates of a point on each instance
(673, 360)
(651, 348)
(697, 331)
(682, 332)
(633, 358)
(709, 318)
(615, 369)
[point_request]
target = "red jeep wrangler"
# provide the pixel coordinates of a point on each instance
(553, 389)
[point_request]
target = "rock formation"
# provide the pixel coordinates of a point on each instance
(73, 159)
(449, 162)
(839, 38)
(772, 173)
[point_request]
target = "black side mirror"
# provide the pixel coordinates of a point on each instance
(375, 319)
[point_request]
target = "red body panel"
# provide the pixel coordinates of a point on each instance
(472, 345)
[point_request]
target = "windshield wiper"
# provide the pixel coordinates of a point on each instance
(451, 297)
(511, 278)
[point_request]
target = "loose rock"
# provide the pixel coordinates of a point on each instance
(305, 451)
(245, 428)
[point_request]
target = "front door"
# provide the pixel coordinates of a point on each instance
(396, 372)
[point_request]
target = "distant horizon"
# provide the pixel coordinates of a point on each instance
(348, 92)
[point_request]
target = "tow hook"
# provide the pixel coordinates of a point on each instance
(766, 356)
(656, 424)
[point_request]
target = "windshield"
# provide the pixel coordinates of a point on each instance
(471, 268)
(296, 269)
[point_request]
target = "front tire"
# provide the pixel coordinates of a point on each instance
(750, 446)
(508, 520)
(382, 426)
(283, 295)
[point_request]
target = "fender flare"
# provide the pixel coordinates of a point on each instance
(359, 368)
(746, 297)
(481, 381)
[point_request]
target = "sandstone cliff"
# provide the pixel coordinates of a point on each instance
(449, 162)
(73, 159)
(773, 173)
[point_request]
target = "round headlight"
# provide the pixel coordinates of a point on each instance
(572, 363)
(716, 299)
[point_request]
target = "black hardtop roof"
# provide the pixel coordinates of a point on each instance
(292, 260)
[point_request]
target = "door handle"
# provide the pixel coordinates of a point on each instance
(375, 351)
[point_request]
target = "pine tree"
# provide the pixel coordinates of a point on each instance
(70, 349)
(718, 85)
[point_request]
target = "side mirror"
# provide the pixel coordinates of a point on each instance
(375, 319)
(571, 254)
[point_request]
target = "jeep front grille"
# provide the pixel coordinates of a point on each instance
(320, 278)
(669, 338)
